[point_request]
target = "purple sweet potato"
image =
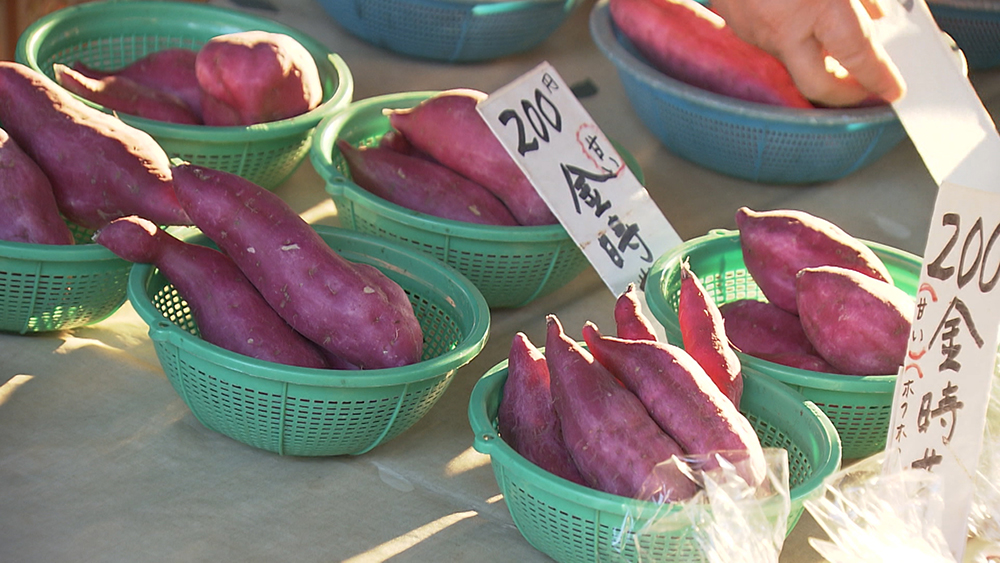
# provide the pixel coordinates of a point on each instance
(777, 244)
(526, 418)
(352, 310)
(687, 41)
(124, 95)
(448, 127)
(170, 70)
(28, 210)
(703, 332)
(227, 308)
(761, 327)
(100, 167)
(422, 185)
(682, 399)
(630, 322)
(858, 324)
(262, 76)
(609, 433)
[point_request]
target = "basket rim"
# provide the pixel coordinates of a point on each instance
(33, 252)
(336, 184)
(488, 441)
(794, 376)
(31, 39)
(162, 329)
(602, 30)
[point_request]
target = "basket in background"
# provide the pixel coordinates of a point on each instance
(572, 523)
(974, 25)
(314, 412)
(451, 30)
(50, 287)
(107, 35)
(746, 140)
(860, 407)
(511, 266)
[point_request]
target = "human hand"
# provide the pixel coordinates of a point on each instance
(804, 33)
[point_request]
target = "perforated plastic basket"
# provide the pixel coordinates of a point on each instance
(512, 266)
(110, 34)
(45, 287)
(569, 522)
(975, 27)
(747, 140)
(859, 407)
(451, 30)
(313, 412)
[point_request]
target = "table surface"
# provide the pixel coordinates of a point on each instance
(100, 460)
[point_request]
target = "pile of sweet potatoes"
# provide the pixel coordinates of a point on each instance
(234, 79)
(441, 158)
(830, 303)
(614, 413)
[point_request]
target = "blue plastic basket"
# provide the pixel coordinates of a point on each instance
(747, 140)
(975, 28)
(451, 31)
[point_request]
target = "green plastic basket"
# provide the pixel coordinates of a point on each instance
(859, 407)
(569, 522)
(312, 412)
(48, 287)
(512, 266)
(110, 34)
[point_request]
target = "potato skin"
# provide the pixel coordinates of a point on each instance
(761, 327)
(100, 167)
(261, 76)
(169, 70)
(352, 310)
(687, 41)
(609, 433)
(682, 399)
(228, 309)
(630, 322)
(28, 209)
(858, 324)
(527, 419)
(448, 127)
(124, 95)
(777, 244)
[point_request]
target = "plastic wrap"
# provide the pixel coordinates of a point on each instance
(984, 521)
(728, 519)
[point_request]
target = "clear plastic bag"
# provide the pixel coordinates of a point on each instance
(728, 519)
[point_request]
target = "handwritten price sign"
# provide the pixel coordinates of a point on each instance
(580, 175)
(942, 392)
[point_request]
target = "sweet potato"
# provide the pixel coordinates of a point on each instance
(227, 308)
(682, 399)
(609, 433)
(124, 95)
(352, 310)
(262, 76)
(28, 210)
(448, 127)
(526, 419)
(687, 41)
(703, 333)
(170, 70)
(422, 185)
(761, 327)
(630, 322)
(777, 244)
(858, 324)
(100, 167)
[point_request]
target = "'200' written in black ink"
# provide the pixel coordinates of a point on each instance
(540, 115)
(975, 254)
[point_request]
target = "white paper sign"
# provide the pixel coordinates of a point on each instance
(942, 392)
(580, 175)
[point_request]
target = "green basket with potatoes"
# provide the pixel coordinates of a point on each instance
(49, 287)
(860, 407)
(572, 523)
(107, 35)
(297, 411)
(511, 266)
